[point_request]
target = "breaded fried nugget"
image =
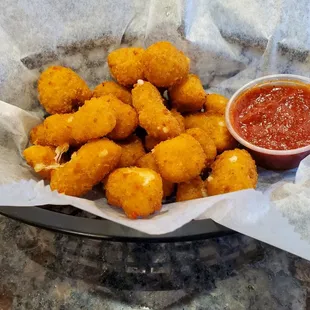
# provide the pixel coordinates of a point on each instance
(93, 120)
(232, 171)
(87, 167)
(179, 117)
(216, 103)
(188, 95)
(192, 189)
(154, 117)
(148, 161)
(206, 143)
(179, 159)
(137, 190)
(214, 125)
(126, 117)
(126, 65)
(132, 150)
(164, 64)
(150, 142)
(110, 87)
(55, 130)
(61, 90)
(41, 159)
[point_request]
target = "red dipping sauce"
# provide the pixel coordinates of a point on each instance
(275, 117)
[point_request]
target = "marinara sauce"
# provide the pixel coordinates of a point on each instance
(275, 117)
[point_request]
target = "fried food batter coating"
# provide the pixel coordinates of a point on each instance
(206, 143)
(132, 150)
(179, 117)
(41, 159)
(126, 65)
(164, 64)
(148, 161)
(61, 90)
(154, 117)
(110, 87)
(137, 190)
(87, 167)
(214, 125)
(188, 95)
(93, 120)
(55, 130)
(192, 189)
(232, 171)
(126, 117)
(179, 159)
(216, 103)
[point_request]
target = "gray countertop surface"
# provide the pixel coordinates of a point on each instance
(45, 270)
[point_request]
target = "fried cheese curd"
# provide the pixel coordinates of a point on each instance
(61, 90)
(55, 130)
(192, 189)
(148, 161)
(154, 117)
(179, 159)
(138, 191)
(150, 142)
(87, 167)
(126, 65)
(41, 159)
(132, 150)
(214, 125)
(164, 64)
(216, 103)
(126, 118)
(94, 119)
(206, 143)
(110, 87)
(233, 170)
(188, 95)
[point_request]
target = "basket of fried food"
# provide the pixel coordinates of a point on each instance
(151, 135)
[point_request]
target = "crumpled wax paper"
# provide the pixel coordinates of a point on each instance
(229, 42)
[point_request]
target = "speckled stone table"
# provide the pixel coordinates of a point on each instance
(43, 270)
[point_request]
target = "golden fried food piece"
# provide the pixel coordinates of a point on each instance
(206, 143)
(214, 125)
(179, 159)
(61, 90)
(150, 142)
(188, 95)
(41, 159)
(179, 117)
(232, 171)
(192, 189)
(87, 167)
(126, 118)
(55, 130)
(164, 64)
(110, 87)
(216, 103)
(94, 119)
(137, 190)
(132, 150)
(148, 161)
(126, 65)
(154, 117)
